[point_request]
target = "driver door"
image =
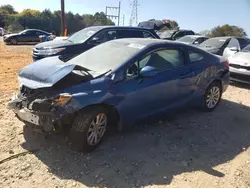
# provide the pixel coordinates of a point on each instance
(145, 96)
(27, 36)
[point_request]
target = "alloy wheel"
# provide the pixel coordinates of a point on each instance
(97, 129)
(213, 97)
(13, 41)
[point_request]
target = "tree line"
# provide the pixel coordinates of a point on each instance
(14, 21)
(47, 20)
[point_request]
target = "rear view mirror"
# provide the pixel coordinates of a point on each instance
(148, 71)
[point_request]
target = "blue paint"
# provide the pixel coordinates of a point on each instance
(153, 91)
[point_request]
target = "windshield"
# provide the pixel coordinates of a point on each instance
(166, 34)
(246, 49)
(83, 34)
(107, 56)
(214, 42)
(186, 39)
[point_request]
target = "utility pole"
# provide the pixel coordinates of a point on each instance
(62, 18)
(112, 15)
(134, 13)
(123, 19)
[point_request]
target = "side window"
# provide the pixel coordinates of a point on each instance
(129, 34)
(105, 36)
(179, 34)
(189, 33)
(195, 57)
(39, 33)
(111, 35)
(199, 40)
(243, 42)
(28, 33)
(233, 43)
(162, 60)
(147, 35)
(135, 68)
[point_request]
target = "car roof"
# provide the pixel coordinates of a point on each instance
(146, 42)
(35, 30)
(195, 36)
(119, 27)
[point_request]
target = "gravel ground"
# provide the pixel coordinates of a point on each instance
(190, 149)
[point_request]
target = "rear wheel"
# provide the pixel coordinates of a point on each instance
(89, 128)
(212, 96)
(13, 41)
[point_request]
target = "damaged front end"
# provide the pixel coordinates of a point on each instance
(42, 100)
(43, 109)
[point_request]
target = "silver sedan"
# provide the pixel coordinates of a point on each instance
(239, 65)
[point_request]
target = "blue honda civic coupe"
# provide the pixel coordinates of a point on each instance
(117, 83)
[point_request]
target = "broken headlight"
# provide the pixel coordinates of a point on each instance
(62, 99)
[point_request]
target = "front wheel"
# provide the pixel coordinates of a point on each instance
(88, 128)
(212, 97)
(13, 41)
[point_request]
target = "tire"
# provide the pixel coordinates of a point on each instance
(13, 41)
(212, 97)
(85, 124)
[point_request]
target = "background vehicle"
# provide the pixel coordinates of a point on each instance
(1, 31)
(224, 46)
(175, 34)
(87, 38)
(26, 36)
(240, 66)
(192, 39)
(118, 86)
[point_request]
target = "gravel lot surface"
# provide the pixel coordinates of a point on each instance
(188, 150)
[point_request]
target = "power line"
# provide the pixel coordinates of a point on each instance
(114, 15)
(134, 13)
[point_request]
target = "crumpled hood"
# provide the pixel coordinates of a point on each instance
(54, 44)
(46, 72)
(240, 58)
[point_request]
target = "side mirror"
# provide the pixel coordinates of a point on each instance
(149, 71)
(95, 41)
(235, 49)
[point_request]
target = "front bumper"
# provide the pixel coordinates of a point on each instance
(240, 75)
(46, 119)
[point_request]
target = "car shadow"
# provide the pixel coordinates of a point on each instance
(154, 153)
(240, 85)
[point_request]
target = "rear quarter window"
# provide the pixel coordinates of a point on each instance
(195, 57)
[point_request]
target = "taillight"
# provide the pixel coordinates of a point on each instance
(227, 63)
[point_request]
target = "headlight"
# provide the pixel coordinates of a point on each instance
(49, 51)
(62, 99)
